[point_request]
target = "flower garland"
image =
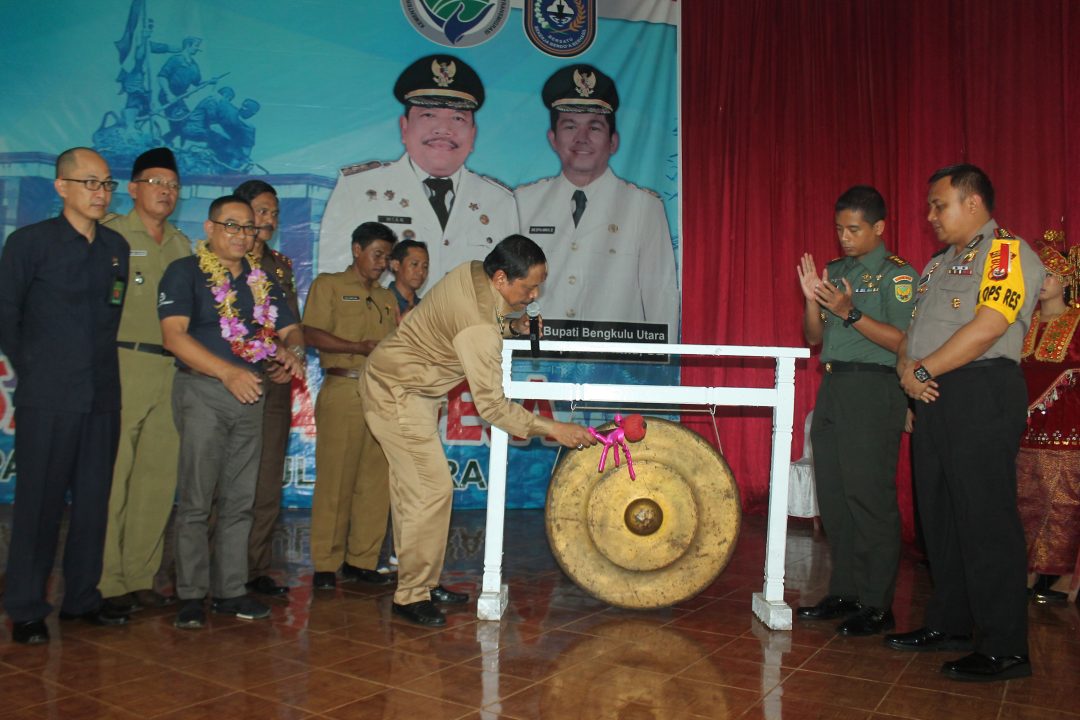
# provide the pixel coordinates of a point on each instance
(262, 345)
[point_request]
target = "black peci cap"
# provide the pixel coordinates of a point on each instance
(581, 89)
(440, 81)
(161, 157)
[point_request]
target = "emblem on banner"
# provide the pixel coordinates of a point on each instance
(563, 28)
(457, 23)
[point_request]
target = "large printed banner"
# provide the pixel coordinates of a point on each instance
(292, 93)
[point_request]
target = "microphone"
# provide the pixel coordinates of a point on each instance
(533, 311)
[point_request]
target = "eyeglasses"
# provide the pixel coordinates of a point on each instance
(93, 184)
(160, 182)
(232, 228)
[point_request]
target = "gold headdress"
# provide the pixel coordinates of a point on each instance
(1065, 263)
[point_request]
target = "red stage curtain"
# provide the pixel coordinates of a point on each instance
(786, 103)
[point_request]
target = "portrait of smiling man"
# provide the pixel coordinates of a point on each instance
(607, 241)
(427, 194)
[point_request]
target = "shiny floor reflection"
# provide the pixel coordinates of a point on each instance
(558, 653)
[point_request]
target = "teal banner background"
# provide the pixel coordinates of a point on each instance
(322, 74)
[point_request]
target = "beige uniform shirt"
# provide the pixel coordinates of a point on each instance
(957, 282)
(454, 335)
(338, 303)
(139, 322)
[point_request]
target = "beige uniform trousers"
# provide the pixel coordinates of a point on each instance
(144, 477)
(348, 509)
(421, 498)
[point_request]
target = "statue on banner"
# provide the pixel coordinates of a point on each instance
(215, 134)
(428, 194)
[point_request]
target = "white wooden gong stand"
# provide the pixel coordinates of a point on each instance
(768, 605)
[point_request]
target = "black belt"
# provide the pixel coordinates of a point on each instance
(840, 367)
(990, 363)
(144, 347)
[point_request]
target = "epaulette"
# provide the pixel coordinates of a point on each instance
(281, 256)
(362, 167)
(493, 181)
(1003, 234)
(835, 260)
(109, 217)
(642, 189)
(534, 182)
(897, 260)
(941, 251)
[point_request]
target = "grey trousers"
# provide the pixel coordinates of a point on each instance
(220, 441)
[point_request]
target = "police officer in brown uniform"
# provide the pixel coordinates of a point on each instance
(144, 477)
(346, 315)
(960, 361)
(277, 408)
(454, 335)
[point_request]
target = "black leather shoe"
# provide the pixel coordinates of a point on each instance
(101, 616)
(265, 585)
(829, 608)
(153, 600)
(440, 594)
(31, 632)
(351, 573)
(977, 667)
(120, 604)
(421, 613)
(868, 621)
(324, 580)
(925, 639)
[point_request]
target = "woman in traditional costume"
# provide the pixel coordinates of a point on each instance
(1048, 466)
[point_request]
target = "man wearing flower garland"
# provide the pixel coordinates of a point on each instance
(222, 320)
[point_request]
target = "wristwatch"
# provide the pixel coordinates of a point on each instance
(853, 316)
(922, 374)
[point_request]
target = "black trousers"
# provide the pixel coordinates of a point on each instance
(57, 452)
(858, 421)
(965, 445)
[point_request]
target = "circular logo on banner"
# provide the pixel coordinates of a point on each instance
(457, 23)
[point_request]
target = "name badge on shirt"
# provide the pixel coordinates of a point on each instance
(395, 219)
(351, 298)
(139, 253)
(541, 229)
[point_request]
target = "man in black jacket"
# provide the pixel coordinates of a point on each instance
(62, 286)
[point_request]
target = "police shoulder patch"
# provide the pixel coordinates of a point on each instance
(1003, 234)
(362, 167)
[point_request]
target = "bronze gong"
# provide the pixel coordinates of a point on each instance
(650, 542)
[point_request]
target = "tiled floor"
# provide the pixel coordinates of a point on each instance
(557, 654)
